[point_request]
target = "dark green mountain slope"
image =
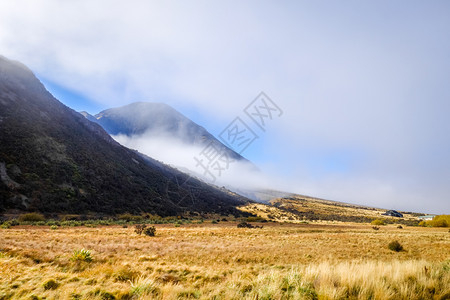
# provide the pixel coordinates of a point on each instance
(52, 159)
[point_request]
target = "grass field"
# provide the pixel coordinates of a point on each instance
(220, 261)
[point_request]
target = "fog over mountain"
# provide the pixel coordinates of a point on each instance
(160, 131)
(54, 160)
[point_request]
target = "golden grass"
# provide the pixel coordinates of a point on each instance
(208, 261)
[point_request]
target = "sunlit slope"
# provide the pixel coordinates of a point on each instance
(298, 208)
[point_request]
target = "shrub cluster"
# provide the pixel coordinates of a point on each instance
(143, 229)
(32, 217)
(438, 221)
(247, 225)
(378, 222)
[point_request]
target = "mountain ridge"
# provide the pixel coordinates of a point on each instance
(157, 119)
(62, 162)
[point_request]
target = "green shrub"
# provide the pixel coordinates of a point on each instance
(422, 223)
(395, 246)
(50, 285)
(53, 227)
(81, 255)
(377, 222)
(31, 217)
(6, 225)
(440, 221)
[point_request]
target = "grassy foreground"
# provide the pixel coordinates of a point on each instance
(220, 261)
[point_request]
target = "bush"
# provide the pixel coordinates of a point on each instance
(53, 227)
(440, 221)
(31, 217)
(143, 229)
(377, 222)
(247, 225)
(244, 225)
(422, 223)
(375, 228)
(6, 225)
(81, 255)
(50, 285)
(139, 228)
(150, 231)
(395, 246)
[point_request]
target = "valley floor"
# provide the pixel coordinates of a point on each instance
(221, 261)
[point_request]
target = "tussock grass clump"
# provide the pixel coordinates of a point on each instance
(142, 287)
(31, 217)
(50, 285)
(125, 274)
(395, 246)
(81, 255)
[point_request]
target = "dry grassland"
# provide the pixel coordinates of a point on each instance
(299, 208)
(220, 261)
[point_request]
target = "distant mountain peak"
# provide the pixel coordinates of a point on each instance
(157, 118)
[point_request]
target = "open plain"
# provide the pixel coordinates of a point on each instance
(220, 261)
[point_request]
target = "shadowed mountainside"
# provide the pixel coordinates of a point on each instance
(52, 159)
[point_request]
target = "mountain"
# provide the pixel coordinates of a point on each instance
(54, 160)
(157, 119)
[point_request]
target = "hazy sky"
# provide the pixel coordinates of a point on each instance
(364, 85)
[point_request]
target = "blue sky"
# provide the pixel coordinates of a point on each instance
(364, 85)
